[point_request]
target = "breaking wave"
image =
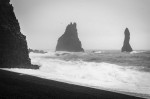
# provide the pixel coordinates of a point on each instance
(99, 75)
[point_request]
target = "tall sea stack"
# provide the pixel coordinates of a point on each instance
(126, 46)
(13, 45)
(69, 41)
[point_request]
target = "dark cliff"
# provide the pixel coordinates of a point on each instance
(69, 41)
(126, 45)
(13, 45)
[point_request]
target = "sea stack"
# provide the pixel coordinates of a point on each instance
(69, 41)
(126, 45)
(13, 45)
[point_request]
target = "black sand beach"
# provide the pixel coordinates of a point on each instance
(16, 86)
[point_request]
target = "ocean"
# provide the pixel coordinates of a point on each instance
(104, 69)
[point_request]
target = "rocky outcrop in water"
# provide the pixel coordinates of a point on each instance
(36, 51)
(126, 46)
(13, 45)
(69, 41)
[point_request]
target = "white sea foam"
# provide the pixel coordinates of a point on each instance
(98, 52)
(103, 75)
(134, 52)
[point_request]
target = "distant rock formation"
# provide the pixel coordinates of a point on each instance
(36, 51)
(13, 45)
(69, 41)
(126, 46)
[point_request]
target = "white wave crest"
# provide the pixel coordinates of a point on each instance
(134, 52)
(98, 52)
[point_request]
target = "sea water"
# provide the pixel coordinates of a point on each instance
(108, 69)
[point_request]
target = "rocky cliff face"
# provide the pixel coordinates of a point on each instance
(69, 41)
(126, 46)
(13, 45)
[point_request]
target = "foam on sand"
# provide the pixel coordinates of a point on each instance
(99, 75)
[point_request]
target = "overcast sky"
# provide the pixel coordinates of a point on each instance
(100, 23)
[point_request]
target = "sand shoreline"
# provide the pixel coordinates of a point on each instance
(15, 85)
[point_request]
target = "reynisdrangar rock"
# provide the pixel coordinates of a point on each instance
(69, 41)
(126, 45)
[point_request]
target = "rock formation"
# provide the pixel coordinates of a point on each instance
(36, 51)
(126, 46)
(69, 41)
(13, 45)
